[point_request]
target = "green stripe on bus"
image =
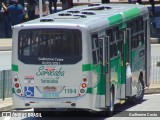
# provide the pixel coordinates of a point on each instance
(99, 88)
(115, 19)
(134, 12)
(13, 91)
(14, 67)
(87, 67)
(90, 67)
(122, 25)
(89, 90)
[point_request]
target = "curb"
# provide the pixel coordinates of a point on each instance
(5, 48)
(155, 40)
(7, 108)
(151, 91)
(5, 44)
(6, 104)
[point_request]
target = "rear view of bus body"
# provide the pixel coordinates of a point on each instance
(77, 58)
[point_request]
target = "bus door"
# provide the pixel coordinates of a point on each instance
(126, 83)
(104, 46)
(107, 69)
(129, 85)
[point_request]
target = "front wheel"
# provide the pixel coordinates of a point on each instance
(138, 98)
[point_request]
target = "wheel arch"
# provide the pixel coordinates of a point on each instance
(141, 76)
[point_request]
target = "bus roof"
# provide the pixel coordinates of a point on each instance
(94, 14)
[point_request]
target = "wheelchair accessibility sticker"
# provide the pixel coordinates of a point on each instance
(29, 91)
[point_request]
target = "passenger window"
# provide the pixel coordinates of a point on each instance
(113, 50)
(141, 39)
(95, 49)
(140, 24)
(135, 42)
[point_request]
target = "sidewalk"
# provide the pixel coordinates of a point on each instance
(5, 44)
(6, 105)
(153, 89)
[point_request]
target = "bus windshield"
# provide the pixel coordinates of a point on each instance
(35, 45)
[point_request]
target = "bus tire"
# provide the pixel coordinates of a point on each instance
(138, 98)
(110, 109)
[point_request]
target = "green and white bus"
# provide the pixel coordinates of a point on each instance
(77, 58)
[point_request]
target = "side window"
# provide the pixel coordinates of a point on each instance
(115, 34)
(113, 50)
(140, 23)
(134, 26)
(116, 44)
(113, 44)
(137, 32)
(141, 39)
(95, 49)
(135, 42)
(120, 41)
(109, 33)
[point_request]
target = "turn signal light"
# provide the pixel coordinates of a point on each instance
(15, 79)
(84, 85)
(84, 79)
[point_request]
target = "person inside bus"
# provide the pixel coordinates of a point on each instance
(45, 10)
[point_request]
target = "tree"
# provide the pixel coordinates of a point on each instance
(105, 1)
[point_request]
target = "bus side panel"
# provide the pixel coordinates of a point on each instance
(138, 65)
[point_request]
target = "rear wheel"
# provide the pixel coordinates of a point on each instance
(138, 98)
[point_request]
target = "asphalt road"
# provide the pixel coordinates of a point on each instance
(149, 107)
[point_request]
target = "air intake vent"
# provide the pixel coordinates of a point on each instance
(67, 17)
(80, 15)
(98, 8)
(65, 14)
(73, 11)
(93, 4)
(88, 13)
(46, 20)
(107, 7)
